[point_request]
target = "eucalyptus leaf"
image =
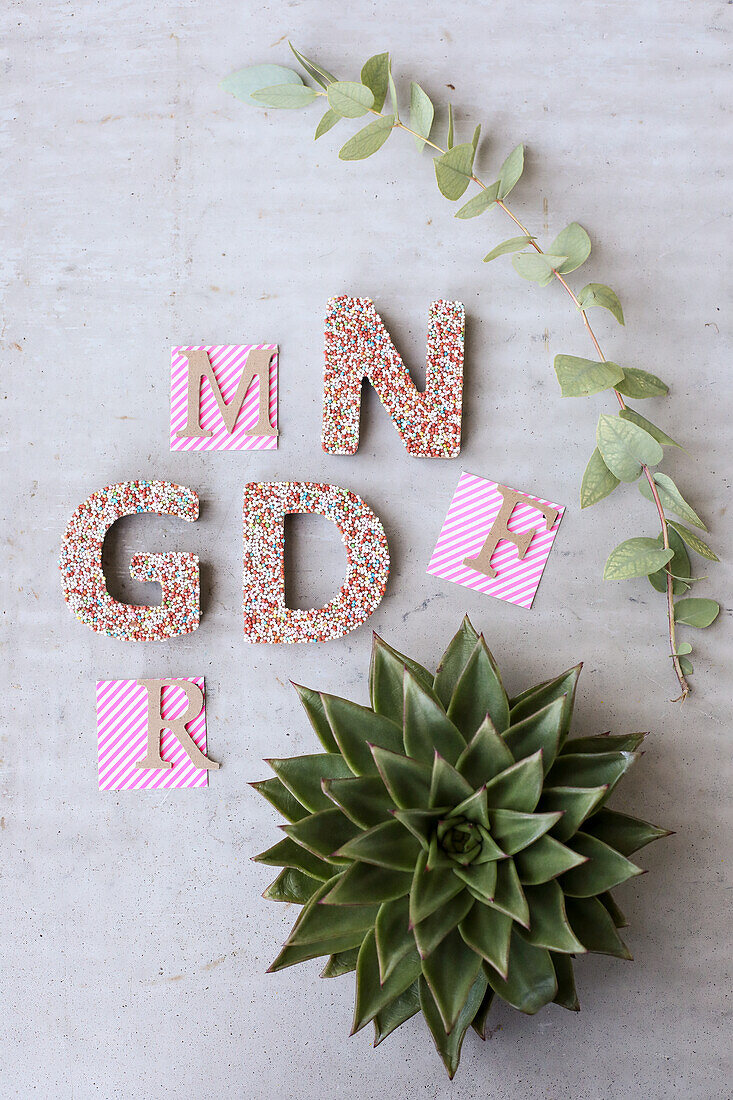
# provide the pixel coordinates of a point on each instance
(635, 558)
(693, 541)
(510, 172)
(598, 481)
(449, 140)
(514, 244)
(349, 99)
(454, 169)
(327, 123)
(678, 566)
(642, 422)
(285, 95)
(368, 140)
(246, 81)
(686, 666)
(596, 294)
(476, 137)
(640, 383)
(317, 72)
(393, 93)
(479, 203)
(422, 113)
(696, 612)
(375, 76)
(537, 267)
(583, 377)
(671, 499)
(574, 244)
(625, 447)
(683, 647)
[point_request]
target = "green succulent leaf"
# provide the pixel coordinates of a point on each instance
(479, 692)
(365, 884)
(542, 730)
(654, 431)
(603, 868)
(386, 845)
(368, 140)
(514, 831)
(640, 383)
(671, 498)
(509, 895)
(375, 76)
(531, 982)
(478, 1023)
(386, 679)
(485, 755)
(535, 698)
(318, 923)
(355, 728)
(313, 706)
(349, 98)
(285, 95)
(696, 612)
(393, 935)
(454, 661)
(678, 566)
(626, 834)
(448, 1044)
(566, 993)
(480, 878)
(407, 781)
(431, 889)
(595, 928)
(302, 776)
(574, 243)
(575, 804)
(373, 995)
(474, 808)
(447, 786)
(582, 377)
(598, 481)
(450, 971)
(605, 742)
(548, 921)
(604, 769)
(399, 1010)
(519, 787)
(278, 795)
(544, 860)
(637, 557)
(343, 962)
(291, 886)
(322, 833)
(513, 244)
(454, 170)
(363, 799)
(487, 931)
(427, 728)
(596, 294)
(293, 953)
(480, 203)
(328, 121)
(317, 72)
(538, 267)
(693, 541)
(625, 446)
(422, 114)
(608, 902)
(511, 171)
(431, 932)
(421, 823)
(289, 854)
(245, 82)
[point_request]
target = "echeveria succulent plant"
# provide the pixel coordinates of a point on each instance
(450, 844)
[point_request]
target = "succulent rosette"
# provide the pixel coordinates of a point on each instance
(450, 844)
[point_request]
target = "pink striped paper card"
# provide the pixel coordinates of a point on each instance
(227, 361)
(473, 510)
(122, 735)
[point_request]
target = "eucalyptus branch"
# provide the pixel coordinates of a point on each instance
(628, 446)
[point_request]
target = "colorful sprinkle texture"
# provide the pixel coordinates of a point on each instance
(227, 362)
(358, 346)
(122, 736)
(266, 618)
(476, 504)
(82, 577)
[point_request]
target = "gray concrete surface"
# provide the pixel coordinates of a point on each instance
(142, 207)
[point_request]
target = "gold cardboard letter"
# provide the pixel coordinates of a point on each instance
(500, 530)
(199, 367)
(157, 723)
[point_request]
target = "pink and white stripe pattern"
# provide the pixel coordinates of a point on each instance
(475, 505)
(227, 362)
(122, 735)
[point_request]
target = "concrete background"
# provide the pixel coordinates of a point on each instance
(143, 207)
